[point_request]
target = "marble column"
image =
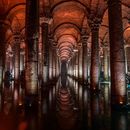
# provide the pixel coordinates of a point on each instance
(45, 52)
(32, 32)
(117, 55)
(94, 70)
(80, 53)
(2, 53)
(16, 59)
(85, 58)
(106, 63)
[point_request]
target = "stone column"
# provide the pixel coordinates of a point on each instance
(76, 65)
(22, 60)
(54, 63)
(80, 53)
(45, 52)
(117, 55)
(127, 58)
(85, 58)
(2, 52)
(94, 70)
(16, 59)
(106, 69)
(32, 30)
(50, 62)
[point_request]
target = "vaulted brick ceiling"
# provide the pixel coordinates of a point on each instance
(70, 17)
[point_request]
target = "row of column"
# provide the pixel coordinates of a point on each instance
(117, 57)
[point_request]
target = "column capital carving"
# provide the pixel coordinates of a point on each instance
(84, 36)
(45, 20)
(113, 2)
(94, 23)
(17, 36)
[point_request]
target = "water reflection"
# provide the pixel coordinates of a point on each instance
(66, 115)
(119, 120)
(66, 105)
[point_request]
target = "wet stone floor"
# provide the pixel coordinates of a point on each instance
(64, 105)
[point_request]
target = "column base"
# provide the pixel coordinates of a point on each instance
(119, 102)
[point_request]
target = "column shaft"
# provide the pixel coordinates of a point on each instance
(117, 57)
(16, 59)
(105, 53)
(45, 52)
(94, 72)
(32, 30)
(84, 64)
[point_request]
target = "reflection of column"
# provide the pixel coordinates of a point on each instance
(32, 29)
(95, 111)
(94, 72)
(105, 53)
(119, 121)
(117, 61)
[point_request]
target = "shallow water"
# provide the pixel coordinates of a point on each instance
(61, 106)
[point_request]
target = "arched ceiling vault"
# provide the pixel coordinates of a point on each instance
(70, 17)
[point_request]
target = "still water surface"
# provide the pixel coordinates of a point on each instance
(66, 105)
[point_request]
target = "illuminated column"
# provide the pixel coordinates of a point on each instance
(32, 29)
(94, 71)
(80, 63)
(76, 65)
(85, 58)
(89, 62)
(127, 58)
(2, 53)
(106, 69)
(54, 63)
(117, 55)
(50, 62)
(45, 52)
(22, 60)
(40, 56)
(16, 58)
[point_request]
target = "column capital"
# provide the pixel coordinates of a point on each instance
(84, 36)
(113, 2)
(17, 36)
(45, 20)
(94, 23)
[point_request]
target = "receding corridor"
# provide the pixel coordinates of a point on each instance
(64, 64)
